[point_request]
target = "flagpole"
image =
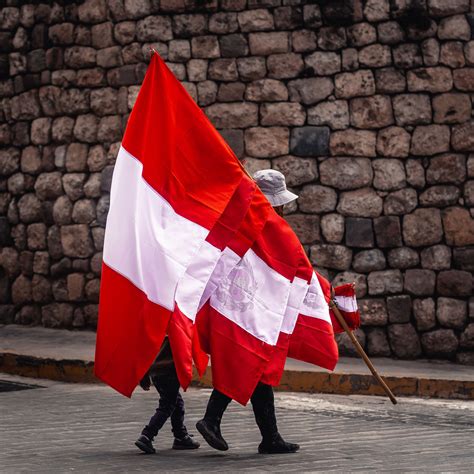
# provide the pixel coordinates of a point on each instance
(361, 351)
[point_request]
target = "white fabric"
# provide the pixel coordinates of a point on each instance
(193, 283)
(299, 288)
(314, 303)
(346, 303)
(146, 241)
(255, 297)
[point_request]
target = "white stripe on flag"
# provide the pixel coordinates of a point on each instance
(299, 288)
(146, 241)
(314, 303)
(347, 303)
(253, 296)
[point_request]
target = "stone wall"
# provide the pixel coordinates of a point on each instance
(365, 106)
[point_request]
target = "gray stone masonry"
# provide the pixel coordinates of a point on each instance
(366, 106)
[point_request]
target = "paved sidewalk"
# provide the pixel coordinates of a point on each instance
(90, 428)
(69, 355)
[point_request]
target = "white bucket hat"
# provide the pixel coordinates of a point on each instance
(273, 186)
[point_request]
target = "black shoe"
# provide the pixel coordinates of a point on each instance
(277, 446)
(144, 443)
(186, 442)
(212, 434)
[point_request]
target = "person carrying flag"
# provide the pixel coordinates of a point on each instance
(273, 186)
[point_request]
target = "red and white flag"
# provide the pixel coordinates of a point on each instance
(194, 250)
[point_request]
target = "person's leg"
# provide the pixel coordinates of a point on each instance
(210, 425)
(263, 404)
(168, 389)
(182, 440)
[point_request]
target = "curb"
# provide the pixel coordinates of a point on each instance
(81, 371)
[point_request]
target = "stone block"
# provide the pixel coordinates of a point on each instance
(48, 185)
(266, 142)
(346, 173)
(263, 44)
(362, 202)
(373, 312)
(251, 69)
(462, 138)
(303, 41)
(454, 28)
(266, 90)
(197, 69)
(237, 115)
(76, 241)
(21, 290)
(346, 346)
(430, 50)
(110, 129)
(424, 312)
(399, 309)
(317, 199)
(389, 174)
(297, 170)
(422, 227)
(255, 20)
(407, 56)
(430, 79)
(30, 208)
(62, 129)
(282, 113)
(124, 32)
(439, 8)
(375, 55)
(377, 10)
(188, 25)
(439, 196)
(334, 114)
(353, 84)
(207, 93)
(62, 210)
(323, 63)
(448, 168)
(156, 28)
(385, 282)
(451, 313)
(336, 257)
(452, 108)
(371, 112)
(393, 142)
(454, 283)
(412, 109)
(350, 59)
(309, 141)
(285, 65)
(223, 23)
(353, 142)
(332, 38)
(223, 70)
(368, 261)
(332, 227)
(235, 139)
(83, 211)
(458, 226)
(387, 231)
(233, 46)
(404, 341)
(390, 32)
(430, 139)
(305, 227)
(204, 47)
(452, 54)
(439, 343)
(437, 257)
(469, 193)
(390, 80)
(420, 282)
(359, 232)
(310, 91)
(286, 17)
(25, 106)
(377, 343)
(57, 315)
(464, 79)
(463, 258)
(104, 101)
(361, 34)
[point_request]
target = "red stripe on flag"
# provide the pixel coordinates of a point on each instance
(184, 157)
(130, 332)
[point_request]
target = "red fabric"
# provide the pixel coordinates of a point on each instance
(184, 157)
(129, 335)
(352, 318)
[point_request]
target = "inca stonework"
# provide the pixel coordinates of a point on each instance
(365, 106)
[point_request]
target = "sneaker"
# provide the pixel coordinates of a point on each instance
(186, 442)
(212, 434)
(278, 446)
(145, 444)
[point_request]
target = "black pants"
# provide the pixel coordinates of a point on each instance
(171, 405)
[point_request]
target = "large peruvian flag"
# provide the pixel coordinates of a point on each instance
(194, 250)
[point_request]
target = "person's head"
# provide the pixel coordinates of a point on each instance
(273, 186)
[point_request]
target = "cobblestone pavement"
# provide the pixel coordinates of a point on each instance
(89, 428)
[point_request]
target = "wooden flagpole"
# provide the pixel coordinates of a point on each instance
(361, 351)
